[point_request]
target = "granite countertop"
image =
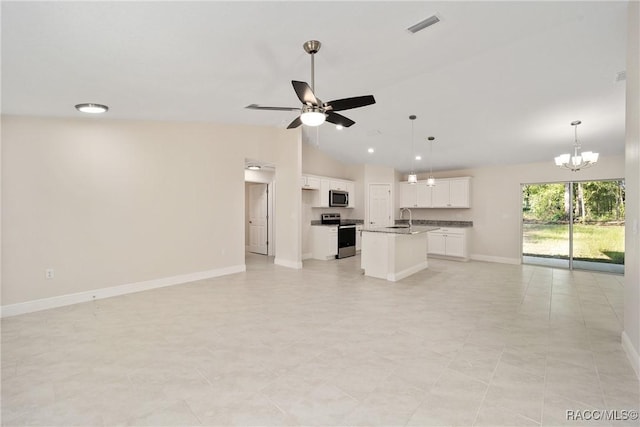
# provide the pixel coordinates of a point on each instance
(342, 222)
(414, 229)
(436, 223)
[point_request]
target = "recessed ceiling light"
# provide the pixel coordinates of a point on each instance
(371, 150)
(254, 167)
(92, 108)
(418, 157)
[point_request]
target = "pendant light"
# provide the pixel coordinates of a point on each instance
(431, 181)
(413, 178)
(578, 160)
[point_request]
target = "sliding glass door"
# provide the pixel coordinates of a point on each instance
(576, 224)
(545, 224)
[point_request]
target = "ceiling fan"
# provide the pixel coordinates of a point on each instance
(314, 112)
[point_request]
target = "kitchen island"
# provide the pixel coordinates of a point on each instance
(393, 253)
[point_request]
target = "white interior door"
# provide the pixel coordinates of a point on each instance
(258, 219)
(379, 205)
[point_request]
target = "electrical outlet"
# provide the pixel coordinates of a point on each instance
(48, 273)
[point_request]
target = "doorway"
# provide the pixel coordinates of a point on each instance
(574, 225)
(379, 205)
(258, 218)
(259, 235)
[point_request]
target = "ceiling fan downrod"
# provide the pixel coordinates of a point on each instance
(312, 47)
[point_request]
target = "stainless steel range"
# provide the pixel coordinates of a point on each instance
(346, 234)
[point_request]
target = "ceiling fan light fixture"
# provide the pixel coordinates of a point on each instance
(339, 127)
(91, 108)
(313, 117)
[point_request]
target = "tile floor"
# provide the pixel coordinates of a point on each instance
(458, 344)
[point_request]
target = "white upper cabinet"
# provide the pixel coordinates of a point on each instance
(408, 195)
(324, 185)
(424, 194)
(338, 185)
(310, 182)
(451, 193)
(459, 192)
(415, 195)
(447, 193)
(351, 189)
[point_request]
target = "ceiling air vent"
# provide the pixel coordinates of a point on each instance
(423, 24)
(621, 76)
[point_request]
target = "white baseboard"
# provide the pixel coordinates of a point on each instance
(498, 259)
(632, 353)
(69, 299)
(307, 256)
(287, 263)
(394, 277)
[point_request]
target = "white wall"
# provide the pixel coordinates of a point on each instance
(631, 335)
(496, 205)
(108, 203)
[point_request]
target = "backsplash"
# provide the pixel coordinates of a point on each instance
(436, 222)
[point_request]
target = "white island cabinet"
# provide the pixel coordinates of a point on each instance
(393, 253)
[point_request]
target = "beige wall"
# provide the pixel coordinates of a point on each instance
(288, 222)
(315, 162)
(107, 203)
(631, 336)
(496, 206)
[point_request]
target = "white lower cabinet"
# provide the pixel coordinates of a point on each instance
(324, 242)
(450, 242)
(359, 237)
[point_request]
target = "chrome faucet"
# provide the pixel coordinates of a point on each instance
(402, 213)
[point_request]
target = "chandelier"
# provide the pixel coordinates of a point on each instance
(578, 160)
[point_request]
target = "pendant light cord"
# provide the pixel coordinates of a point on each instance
(413, 148)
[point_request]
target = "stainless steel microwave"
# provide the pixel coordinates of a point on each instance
(338, 198)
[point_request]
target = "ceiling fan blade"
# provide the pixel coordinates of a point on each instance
(262, 107)
(304, 92)
(339, 119)
(349, 103)
(295, 123)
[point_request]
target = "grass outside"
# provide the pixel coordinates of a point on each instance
(597, 243)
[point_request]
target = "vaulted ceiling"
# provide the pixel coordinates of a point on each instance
(494, 82)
